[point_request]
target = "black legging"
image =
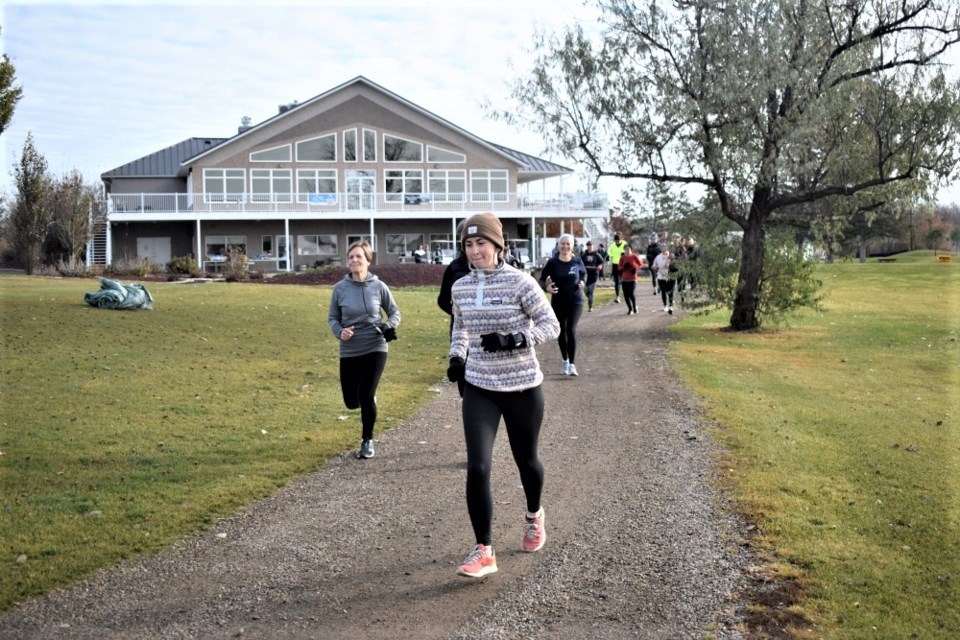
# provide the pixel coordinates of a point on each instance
(630, 294)
(522, 413)
(666, 292)
(359, 378)
(568, 313)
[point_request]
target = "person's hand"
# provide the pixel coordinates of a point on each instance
(388, 332)
(492, 342)
(346, 333)
(550, 286)
(456, 370)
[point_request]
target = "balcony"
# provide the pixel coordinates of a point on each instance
(159, 206)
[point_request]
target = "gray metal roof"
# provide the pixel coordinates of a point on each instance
(532, 163)
(166, 162)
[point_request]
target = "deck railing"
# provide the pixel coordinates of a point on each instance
(320, 203)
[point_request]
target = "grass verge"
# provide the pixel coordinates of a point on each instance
(842, 438)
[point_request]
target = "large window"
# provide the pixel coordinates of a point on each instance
(276, 154)
(317, 245)
(219, 247)
(322, 149)
(400, 243)
(401, 150)
(350, 145)
(488, 186)
(403, 186)
(364, 237)
(317, 186)
(369, 145)
(436, 154)
(223, 185)
(447, 186)
(271, 185)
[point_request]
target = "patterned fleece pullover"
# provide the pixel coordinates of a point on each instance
(501, 300)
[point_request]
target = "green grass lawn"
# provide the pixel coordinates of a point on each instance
(122, 431)
(843, 444)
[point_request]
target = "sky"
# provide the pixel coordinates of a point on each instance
(105, 83)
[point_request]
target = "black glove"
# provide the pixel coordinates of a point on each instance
(456, 370)
(389, 333)
(499, 342)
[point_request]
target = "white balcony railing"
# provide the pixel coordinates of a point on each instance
(151, 204)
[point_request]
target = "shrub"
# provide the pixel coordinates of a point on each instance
(184, 265)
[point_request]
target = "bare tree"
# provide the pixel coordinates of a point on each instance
(74, 206)
(764, 106)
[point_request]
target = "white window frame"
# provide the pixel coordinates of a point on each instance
(372, 134)
(326, 135)
(276, 179)
(347, 134)
(286, 157)
(462, 158)
(416, 145)
(485, 178)
(317, 196)
(224, 194)
(406, 178)
(446, 176)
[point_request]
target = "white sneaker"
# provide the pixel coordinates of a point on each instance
(617, 300)
(572, 370)
(566, 368)
(665, 309)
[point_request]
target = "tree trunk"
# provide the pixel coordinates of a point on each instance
(747, 300)
(863, 248)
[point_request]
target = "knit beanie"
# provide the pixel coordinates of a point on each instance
(484, 225)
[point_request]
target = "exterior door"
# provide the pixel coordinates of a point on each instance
(281, 253)
(156, 250)
(361, 190)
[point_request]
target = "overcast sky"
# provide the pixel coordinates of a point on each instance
(107, 83)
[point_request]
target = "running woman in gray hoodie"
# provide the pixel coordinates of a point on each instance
(357, 307)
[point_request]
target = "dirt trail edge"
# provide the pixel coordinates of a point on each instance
(639, 543)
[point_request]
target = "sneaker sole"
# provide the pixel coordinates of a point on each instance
(477, 574)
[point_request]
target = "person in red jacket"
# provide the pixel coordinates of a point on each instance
(629, 266)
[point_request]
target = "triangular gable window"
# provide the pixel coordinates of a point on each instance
(436, 154)
(276, 154)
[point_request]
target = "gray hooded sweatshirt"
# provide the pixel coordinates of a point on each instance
(362, 305)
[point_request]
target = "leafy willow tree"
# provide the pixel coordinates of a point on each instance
(767, 106)
(31, 216)
(9, 94)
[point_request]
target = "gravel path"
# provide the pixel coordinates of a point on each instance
(639, 544)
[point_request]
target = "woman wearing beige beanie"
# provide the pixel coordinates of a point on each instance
(499, 314)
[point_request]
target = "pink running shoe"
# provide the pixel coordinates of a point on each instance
(480, 562)
(535, 532)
